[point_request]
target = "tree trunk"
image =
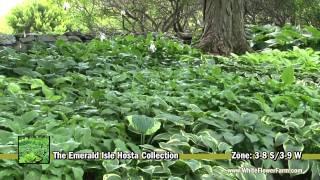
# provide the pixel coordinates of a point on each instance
(224, 27)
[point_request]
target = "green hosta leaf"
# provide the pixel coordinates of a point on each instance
(224, 147)
(177, 120)
(194, 150)
(287, 75)
(148, 147)
(52, 177)
(111, 165)
(33, 175)
(111, 177)
(108, 112)
(295, 123)
(120, 78)
(120, 145)
(194, 108)
(149, 169)
(252, 137)
(271, 42)
(216, 71)
(69, 145)
(210, 177)
(208, 169)
(36, 83)
(293, 146)
(162, 136)
(5, 136)
(77, 172)
(215, 122)
(134, 147)
(281, 138)
(7, 173)
(83, 135)
(315, 169)
(193, 164)
(136, 178)
(263, 103)
(299, 164)
(143, 124)
(26, 71)
(47, 92)
(314, 31)
(249, 119)
(174, 146)
(49, 177)
(267, 141)
(174, 178)
(29, 116)
(183, 137)
(233, 139)
(14, 88)
(229, 95)
(233, 116)
(208, 140)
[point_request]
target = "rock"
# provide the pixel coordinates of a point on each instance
(74, 38)
(21, 47)
(46, 38)
(23, 42)
(87, 37)
(19, 35)
(74, 33)
(7, 39)
(64, 38)
(28, 39)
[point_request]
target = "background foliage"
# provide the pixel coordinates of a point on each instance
(177, 16)
(297, 12)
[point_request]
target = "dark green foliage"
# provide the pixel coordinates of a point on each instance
(284, 38)
(82, 94)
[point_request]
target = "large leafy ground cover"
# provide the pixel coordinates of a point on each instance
(92, 97)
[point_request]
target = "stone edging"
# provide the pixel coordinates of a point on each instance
(23, 42)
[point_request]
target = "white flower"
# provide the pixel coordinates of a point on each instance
(102, 36)
(302, 82)
(199, 22)
(66, 6)
(123, 13)
(152, 47)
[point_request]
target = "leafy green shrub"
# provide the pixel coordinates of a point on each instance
(37, 17)
(30, 158)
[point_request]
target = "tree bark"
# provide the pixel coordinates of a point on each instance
(224, 27)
